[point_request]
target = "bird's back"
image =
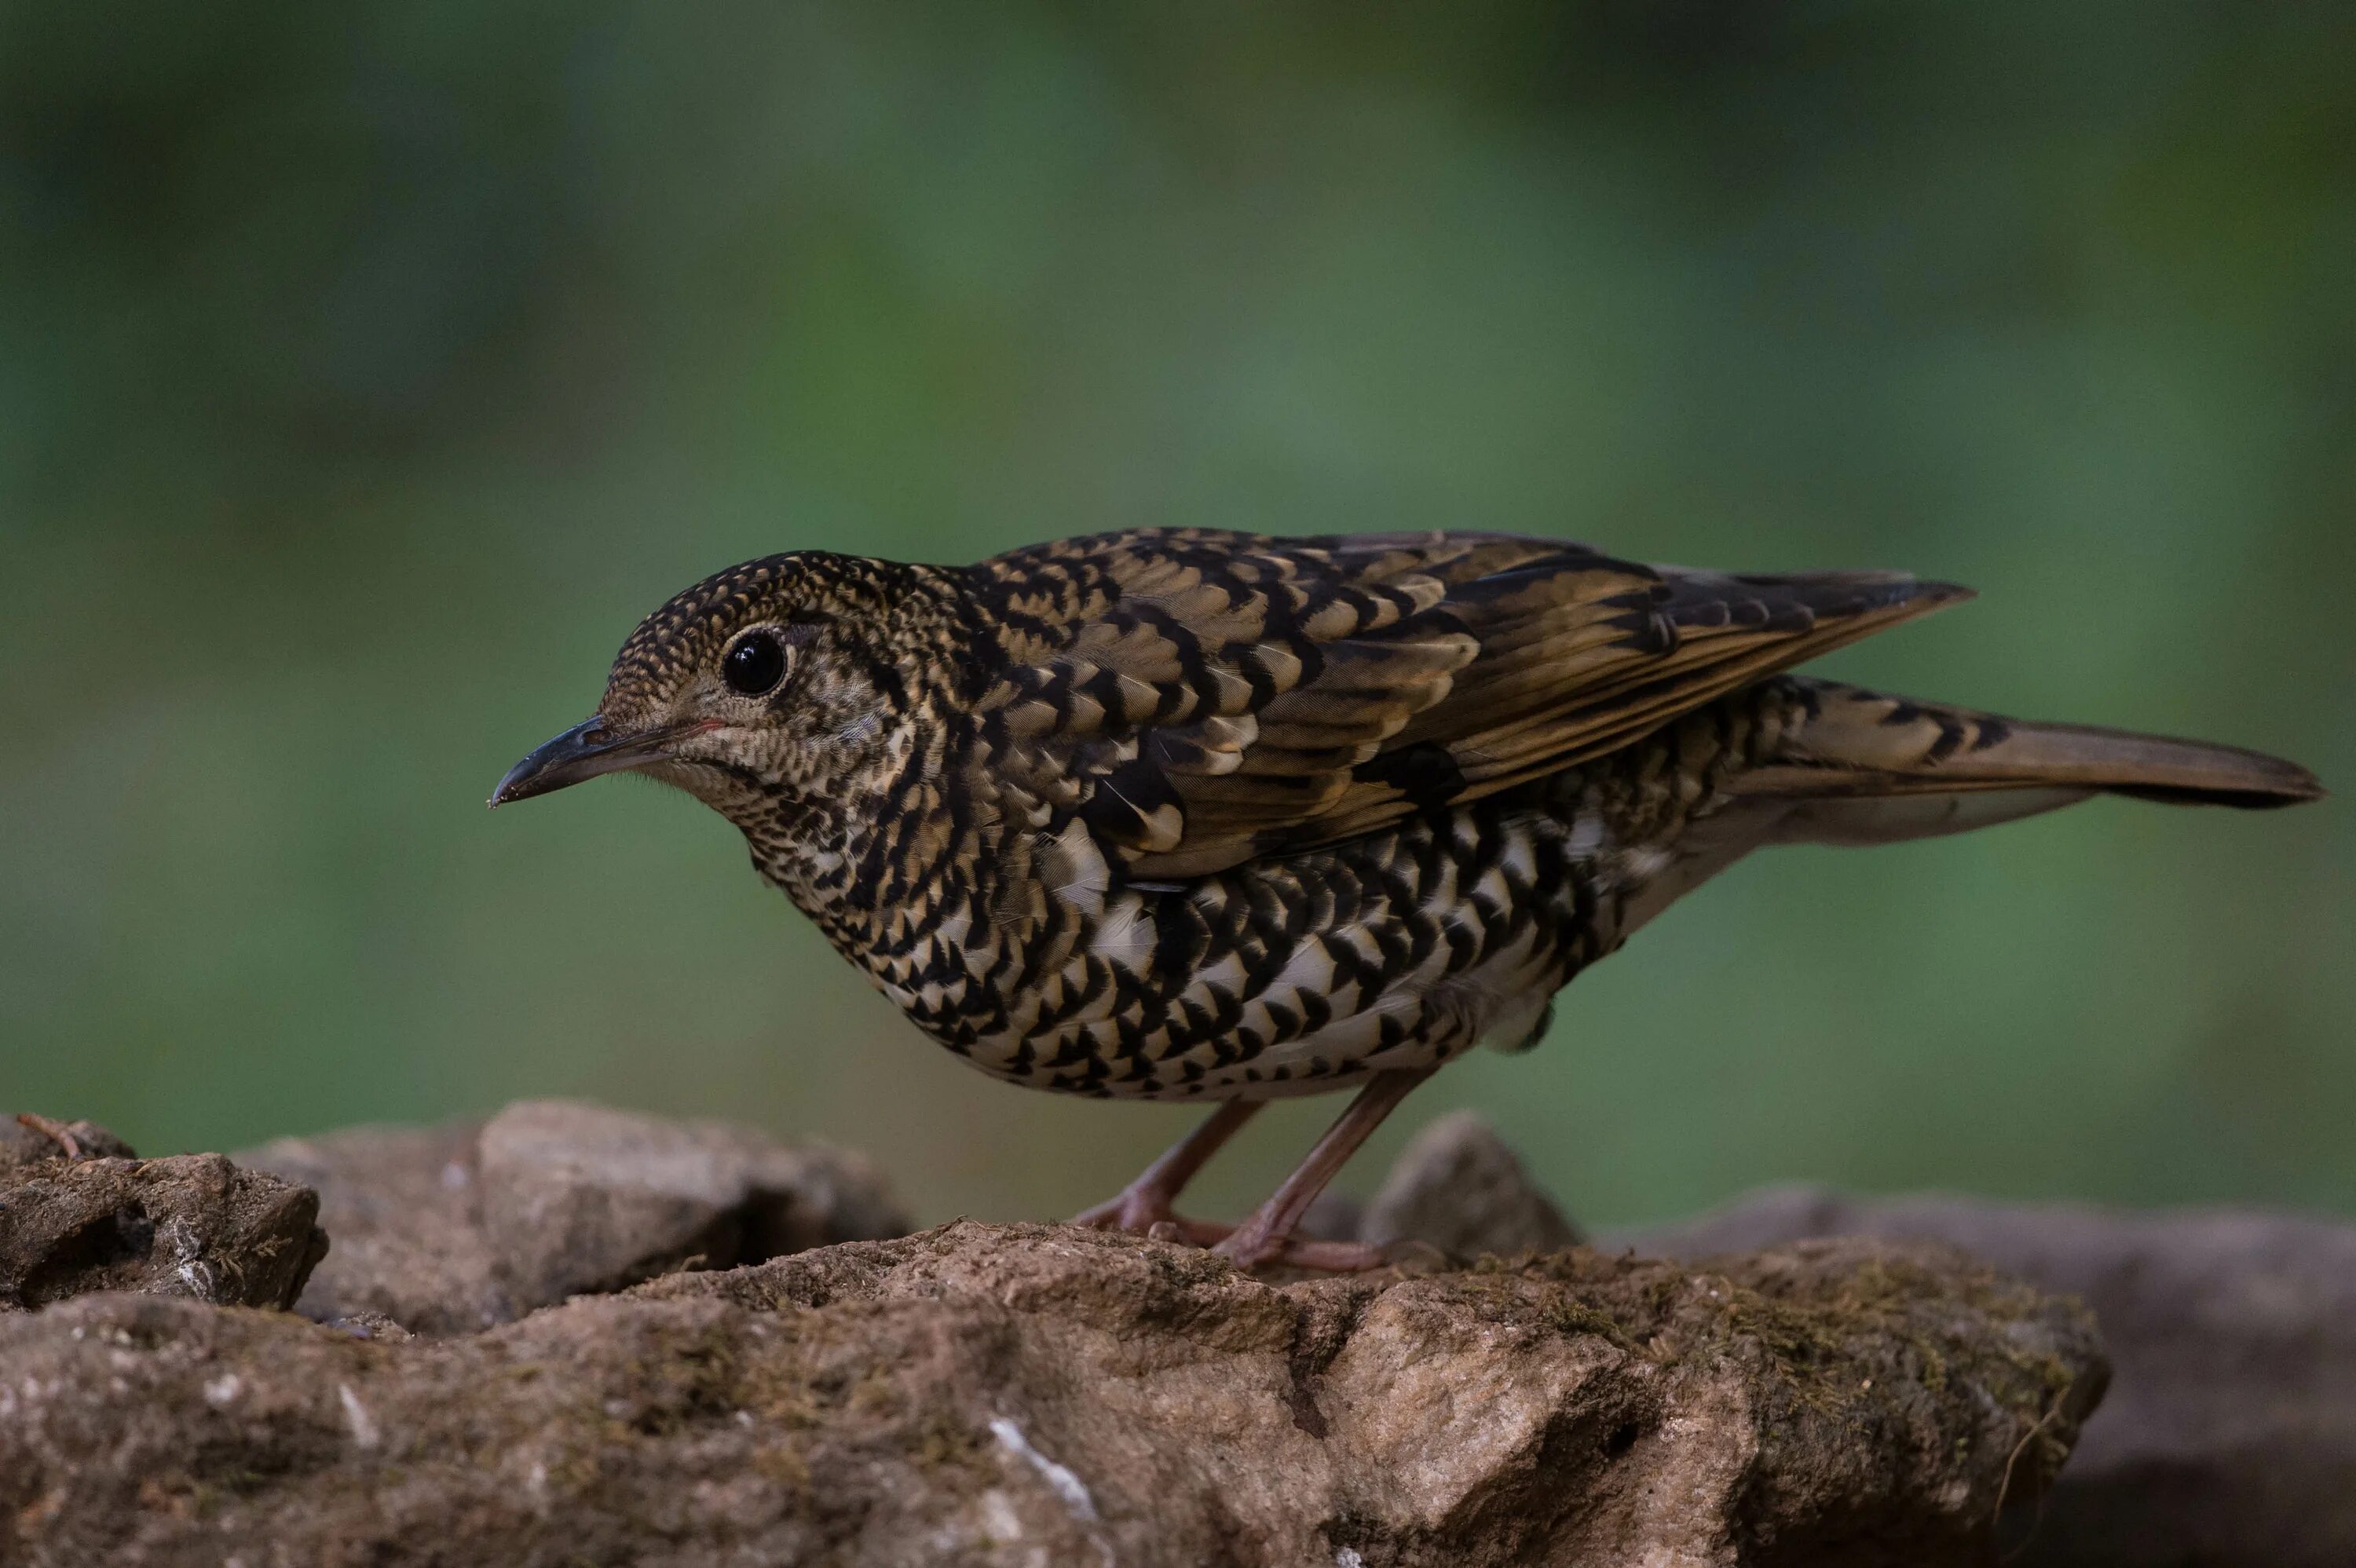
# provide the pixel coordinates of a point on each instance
(1200, 698)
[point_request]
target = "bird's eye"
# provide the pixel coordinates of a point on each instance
(755, 665)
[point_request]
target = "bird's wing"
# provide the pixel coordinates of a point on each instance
(1197, 698)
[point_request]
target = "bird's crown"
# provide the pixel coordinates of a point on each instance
(796, 595)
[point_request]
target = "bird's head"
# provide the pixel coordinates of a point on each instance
(775, 685)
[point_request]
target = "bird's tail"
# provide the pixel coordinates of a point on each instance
(1854, 766)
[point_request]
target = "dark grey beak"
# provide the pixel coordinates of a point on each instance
(584, 752)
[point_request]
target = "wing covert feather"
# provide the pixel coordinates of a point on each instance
(1196, 697)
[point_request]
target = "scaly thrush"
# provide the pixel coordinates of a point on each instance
(1189, 815)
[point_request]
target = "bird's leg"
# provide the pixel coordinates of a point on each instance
(1145, 1202)
(1266, 1236)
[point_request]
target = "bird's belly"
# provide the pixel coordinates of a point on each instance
(1286, 978)
(1496, 1001)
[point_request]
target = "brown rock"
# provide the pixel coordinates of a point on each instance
(403, 1205)
(26, 1138)
(2228, 1437)
(1457, 1188)
(193, 1225)
(1030, 1394)
(451, 1230)
(577, 1198)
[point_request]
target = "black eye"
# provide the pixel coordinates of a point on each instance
(755, 664)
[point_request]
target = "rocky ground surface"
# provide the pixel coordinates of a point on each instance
(571, 1335)
(455, 1229)
(2229, 1433)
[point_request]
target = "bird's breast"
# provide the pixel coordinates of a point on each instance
(1282, 977)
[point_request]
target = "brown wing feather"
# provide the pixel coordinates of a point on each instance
(1198, 697)
(1850, 742)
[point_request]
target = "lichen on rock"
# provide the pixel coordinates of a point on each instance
(1016, 1394)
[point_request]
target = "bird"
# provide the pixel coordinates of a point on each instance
(1179, 813)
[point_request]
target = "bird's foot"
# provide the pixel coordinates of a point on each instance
(1137, 1208)
(1142, 1212)
(1249, 1246)
(1145, 1213)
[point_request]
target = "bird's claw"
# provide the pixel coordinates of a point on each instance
(1133, 1208)
(1248, 1251)
(1247, 1247)
(1145, 1214)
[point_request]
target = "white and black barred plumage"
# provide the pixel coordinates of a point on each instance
(1188, 814)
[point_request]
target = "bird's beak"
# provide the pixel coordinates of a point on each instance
(584, 752)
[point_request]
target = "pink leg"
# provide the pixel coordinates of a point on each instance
(1266, 1236)
(1145, 1202)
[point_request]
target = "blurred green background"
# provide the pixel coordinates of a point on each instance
(366, 370)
